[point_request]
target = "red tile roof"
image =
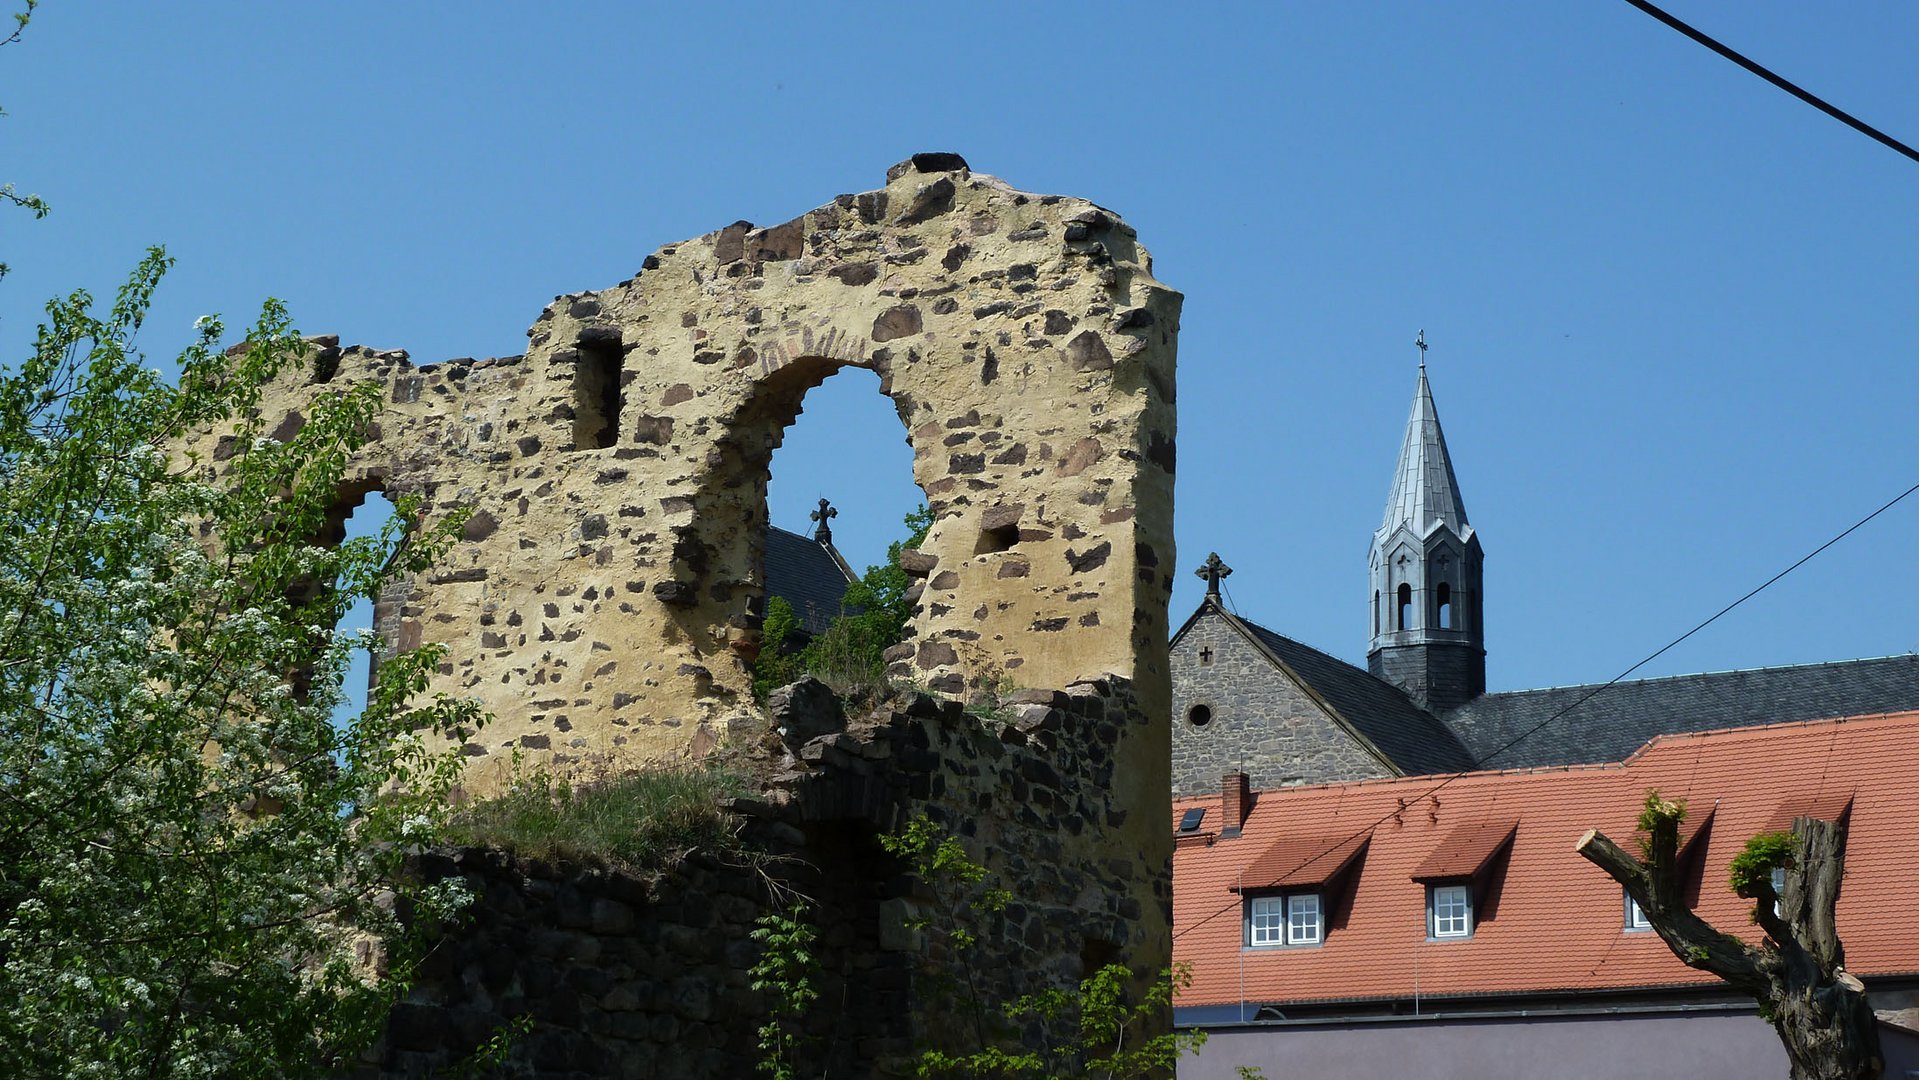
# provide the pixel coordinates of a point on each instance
(1295, 862)
(1827, 806)
(1465, 851)
(1557, 923)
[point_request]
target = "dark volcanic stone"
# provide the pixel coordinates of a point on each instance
(805, 710)
(938, 161)
(1088, 352)
(929, 202)
(898, 321)
(861, 273)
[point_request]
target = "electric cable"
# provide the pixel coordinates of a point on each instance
(1803, 95)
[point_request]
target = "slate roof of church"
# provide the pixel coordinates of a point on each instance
(1414, 740)
(809, 574)
(1615, 721)
(1548, 920)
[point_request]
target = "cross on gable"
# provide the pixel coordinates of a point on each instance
(1213, 569)
(824, 533)
(1206, 655)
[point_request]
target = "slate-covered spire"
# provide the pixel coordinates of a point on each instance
(1427, 636)
(1425, 492)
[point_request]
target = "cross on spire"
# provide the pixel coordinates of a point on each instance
(1421, 343)
(824, 533)
(1212, 570)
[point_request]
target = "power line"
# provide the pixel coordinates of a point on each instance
(1816, 102)
(1536, 728)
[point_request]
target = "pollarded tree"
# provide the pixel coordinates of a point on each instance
(194, 854)
(1798, 974)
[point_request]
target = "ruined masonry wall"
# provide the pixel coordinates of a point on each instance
(627, 978)
(606, 599)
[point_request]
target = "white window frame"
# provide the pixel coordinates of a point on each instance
(1455, 922)
(1635, 916)
(1305, 919)
(1285, 919)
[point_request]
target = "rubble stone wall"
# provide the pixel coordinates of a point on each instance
(624, 977)
(607, 599)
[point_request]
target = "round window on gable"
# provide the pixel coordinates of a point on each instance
(1199, 715)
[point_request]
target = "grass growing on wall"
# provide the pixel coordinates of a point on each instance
(636, 822)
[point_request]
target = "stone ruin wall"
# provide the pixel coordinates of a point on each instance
(622, 976)
(606, 601)
(605, 604)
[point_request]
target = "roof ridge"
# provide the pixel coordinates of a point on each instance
(1589, 766)
(1690, 675)
(1760, 729)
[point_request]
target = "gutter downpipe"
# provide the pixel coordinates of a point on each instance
(1415, 977)
(1242, 950)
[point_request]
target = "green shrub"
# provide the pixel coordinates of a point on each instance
(849, 655)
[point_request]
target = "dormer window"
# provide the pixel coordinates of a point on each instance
(1462, 877)
(1449, 911)
(1296, 888)
(1287, 919)
(1636, 915)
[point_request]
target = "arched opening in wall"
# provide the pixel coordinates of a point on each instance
(361, 517)
(1405, 615)
(839, 489)
(1375, 612)
(1443, 606)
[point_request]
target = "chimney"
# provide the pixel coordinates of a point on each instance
(1236, 801)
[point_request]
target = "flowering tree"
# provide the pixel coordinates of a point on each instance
(196, 858)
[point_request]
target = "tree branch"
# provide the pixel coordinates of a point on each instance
(1692, 939)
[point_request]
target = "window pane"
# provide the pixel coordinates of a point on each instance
(1302, 919)
(1452, 911)
(1635, 918)
(1267, 921)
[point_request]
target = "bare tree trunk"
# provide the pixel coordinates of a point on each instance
(1798, 976)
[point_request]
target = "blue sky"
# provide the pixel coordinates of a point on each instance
(1671, 310)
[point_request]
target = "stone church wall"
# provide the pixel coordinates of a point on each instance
(1261, 722)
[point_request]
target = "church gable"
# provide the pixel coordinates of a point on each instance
(1235, 709)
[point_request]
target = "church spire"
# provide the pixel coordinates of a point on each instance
(1425, 492)
(1427, 635)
